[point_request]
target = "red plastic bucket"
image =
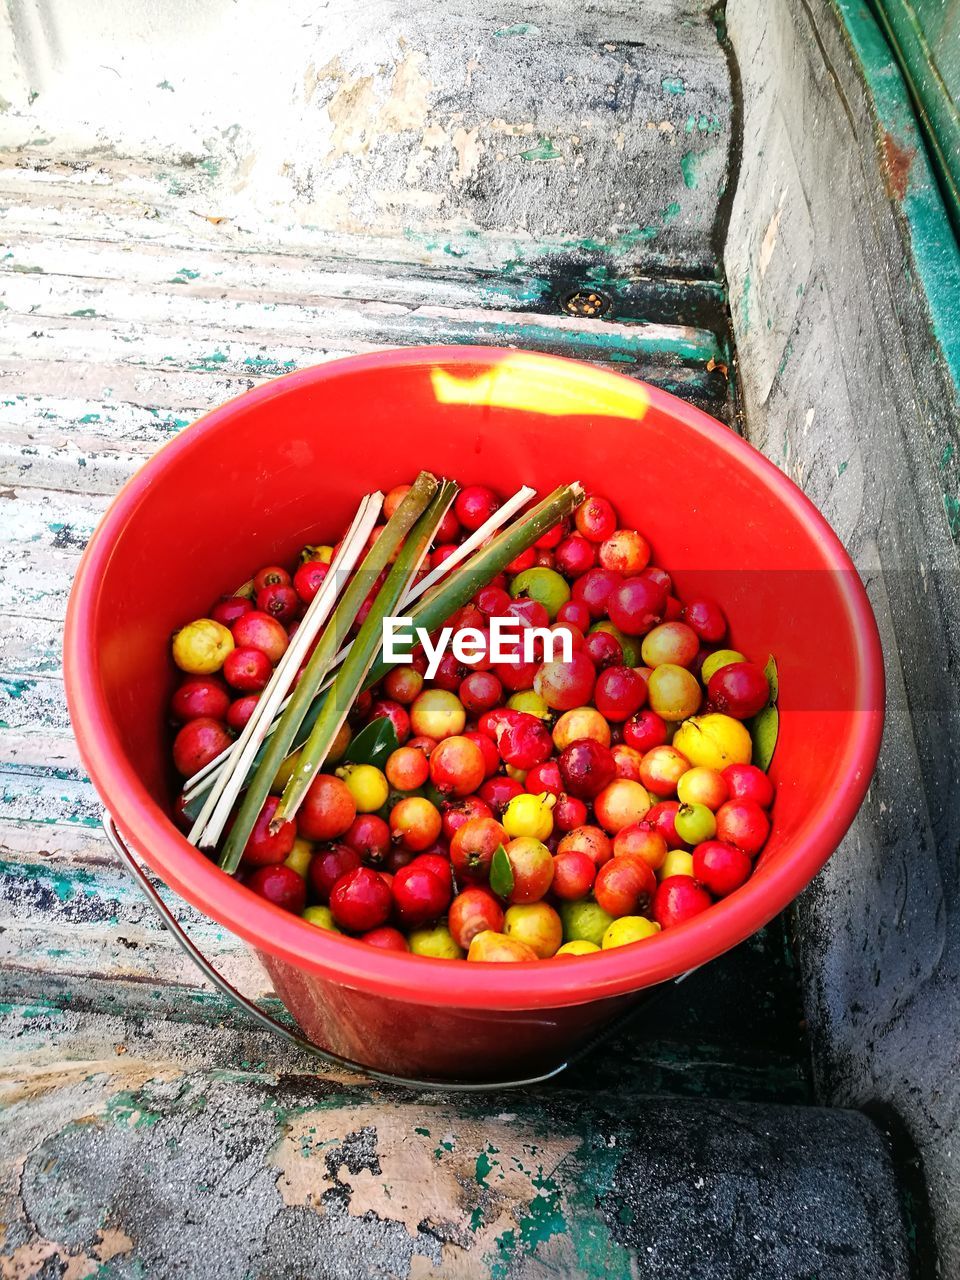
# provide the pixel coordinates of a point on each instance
(285, 465)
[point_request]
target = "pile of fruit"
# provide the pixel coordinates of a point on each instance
(514, 809)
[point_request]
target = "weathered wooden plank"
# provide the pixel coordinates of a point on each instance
(123, 1146)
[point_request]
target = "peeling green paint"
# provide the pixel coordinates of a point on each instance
(544, 150)
(951, 505)
(673, 84)
(947, 456)
(841, 468)
(165, 84)
(85, 313)
(689, 167)
(518, 29)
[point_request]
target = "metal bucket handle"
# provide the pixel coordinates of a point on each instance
(186, 943)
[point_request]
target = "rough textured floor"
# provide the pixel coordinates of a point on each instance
(148, 1130)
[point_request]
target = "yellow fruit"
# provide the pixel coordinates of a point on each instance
(536, 924)
(584, 921)
(677, 863)
(284, 774)
(720, 658)
(437, 942)
(529, 815)
(322, 917)
(201, 647)
(714, 740)
(621, 804)
(299, 857)
(581, 722)
(629, 929)
(367, 785)
(673, 692)
(437, 713)
(579, 947)
(529, 701)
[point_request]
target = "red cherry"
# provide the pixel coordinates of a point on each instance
(448, 530)
(247, 670)
(529, 612)
(240, 711)
(743, 824)
(480, 691)
(456, 812)
(493, 602)
(721, 867)
(228, 609)
(663, 817)
(573, 874)
(369, 835)
(603, 650)
(747, 782)
(619, 692)
(308, 579)
(360, 900)
(473, 846)
(569, 813)
(420, 895)
(575, 555)
(280, 602)
(259, 630)
(524, 742)
(200, 696)
(544, 777)
(488, 749)
(644, 731)
(586, 767)
(457, 766)
(273, 575)
(574, 614)
(197, 743)
(515, 674)
(439, 554)
(499, 791)
(525, 560)
(595, 518)
(565, 685)
(594, 589)
(707, 619)
(280, 885)
(386, 938)
(474, 506)
(471, 912)
(263, 849)
(636, 606)
(625, 886)
(385, 707)
(739, 689)
(679, 898)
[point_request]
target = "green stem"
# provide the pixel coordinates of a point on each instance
(281, 741)
(452, 593)
(350, 678)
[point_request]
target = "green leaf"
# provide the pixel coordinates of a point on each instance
(374, 743)
(773, 678)
(764, 730)
(501, 873)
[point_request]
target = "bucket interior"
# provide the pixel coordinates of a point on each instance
(288, 464)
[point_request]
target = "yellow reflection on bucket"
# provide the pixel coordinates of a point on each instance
(536, 385)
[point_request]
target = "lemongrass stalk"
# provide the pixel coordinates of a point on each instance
(452, 593)
(343, 693)
(444, 600)
(225, 788)
(469, 545)
(199, 781)
(398, 527)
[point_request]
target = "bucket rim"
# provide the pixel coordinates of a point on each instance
(349, 962)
